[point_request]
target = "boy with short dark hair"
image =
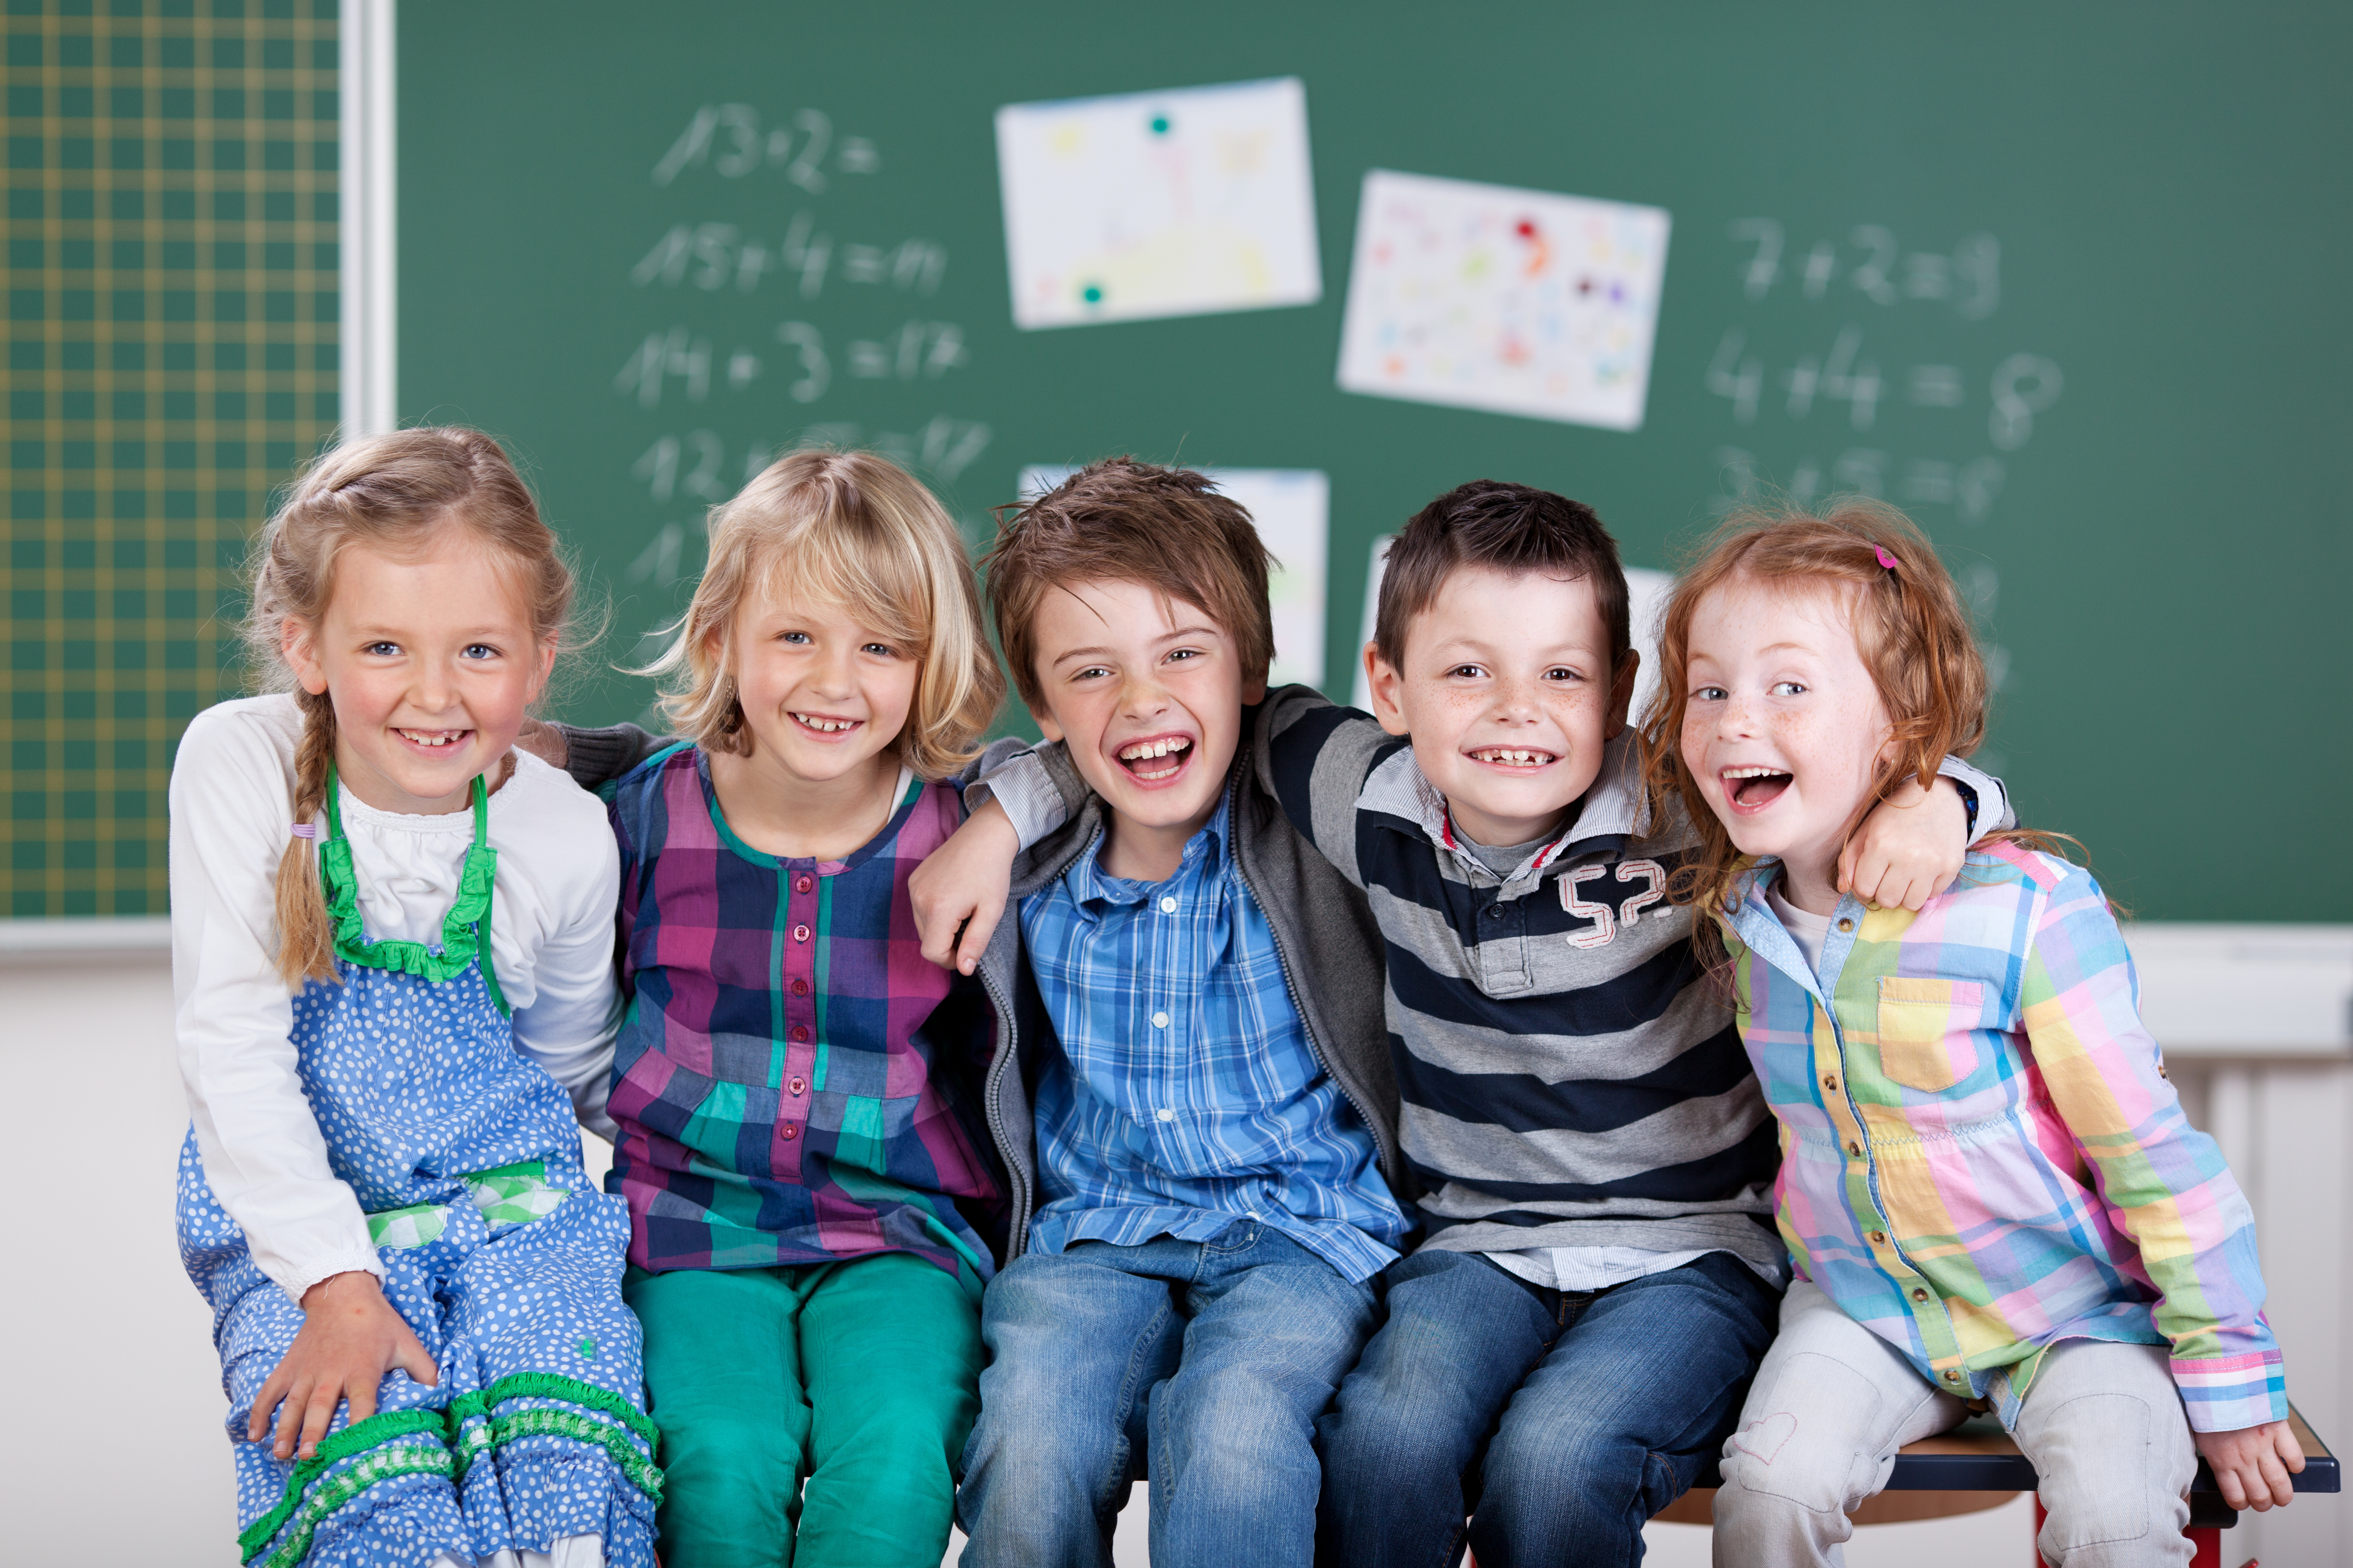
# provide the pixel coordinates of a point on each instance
(1196, 1040)
(1598, 1276)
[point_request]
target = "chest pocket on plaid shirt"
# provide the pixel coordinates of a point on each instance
(1924, 1030)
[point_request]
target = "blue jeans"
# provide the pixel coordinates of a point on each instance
(1559, 1421)
(1213, 1358)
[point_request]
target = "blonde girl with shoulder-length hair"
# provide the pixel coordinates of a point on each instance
(392, 942)
(808, 1173)
(858, 531)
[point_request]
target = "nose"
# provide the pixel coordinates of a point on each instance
(1514, 702)
(1736, 717)
(833, 673)
(1142, 695)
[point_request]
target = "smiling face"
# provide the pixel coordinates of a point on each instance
(1147, 693)
(430, 662)
(823, 697)
(1785, 730)
(1509, 695)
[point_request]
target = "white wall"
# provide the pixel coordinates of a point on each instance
(114, 1382)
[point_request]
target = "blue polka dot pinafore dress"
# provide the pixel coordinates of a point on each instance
(501, 1255)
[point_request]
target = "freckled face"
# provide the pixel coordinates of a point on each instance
(431, 664)
(1509, 695)
(1785, 727)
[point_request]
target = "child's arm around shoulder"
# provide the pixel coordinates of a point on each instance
(1313, 757)
(2165, 1182)
(1014, 794)
(1912, 844)
(565, 843)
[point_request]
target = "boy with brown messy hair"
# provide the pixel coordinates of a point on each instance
(1194, 1101)
(1590, 1156)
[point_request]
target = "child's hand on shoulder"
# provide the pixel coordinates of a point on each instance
(2252, 1465)
(959, 892)
(1909, 848)
(351, 1337)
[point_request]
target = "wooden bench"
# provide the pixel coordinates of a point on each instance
(1976, 1466)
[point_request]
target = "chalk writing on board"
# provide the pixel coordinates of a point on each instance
(696, 463)
(731, 140)
(1935, 427)
(712, 255)
(1516, 301)
(1871, 263)
(1158, 203)
(680, 361)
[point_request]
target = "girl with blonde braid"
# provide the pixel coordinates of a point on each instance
(415, 1290)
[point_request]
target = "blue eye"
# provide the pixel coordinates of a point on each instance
(1707, 694)
(480, 650)
(882, 649)
(1786, 689)
(793, 636)
(382, 649)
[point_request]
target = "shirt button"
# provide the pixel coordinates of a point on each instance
(1160, 1020)
(800, 1034)
(791, 1131)
(1878, 1238)
(1952, 1377)
(1846, 925)
(1167, 906)
(1854, 1149)
(799, 1085)
(1920, 1295)
(802, 884)
(800, 933)
(1168, 1115)
(1829, 1081)
(800, 987)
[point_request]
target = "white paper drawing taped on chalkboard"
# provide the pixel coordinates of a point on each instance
(1517, 302)
(1158, 203)
(1292, 509)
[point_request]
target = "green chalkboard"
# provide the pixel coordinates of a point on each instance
(2064, 281)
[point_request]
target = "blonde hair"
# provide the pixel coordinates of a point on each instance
(390, 493)
(858, 531)
(1911, 628)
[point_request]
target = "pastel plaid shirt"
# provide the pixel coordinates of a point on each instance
(1186, 1095)
(1980, 1153)
(792, 1080)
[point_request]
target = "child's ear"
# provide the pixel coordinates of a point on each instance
(1621, 693)
(546, 667)
(299, 647)
(1384, 679)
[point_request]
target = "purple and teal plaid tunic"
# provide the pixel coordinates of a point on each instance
(1981, 1155)
(792, 1079)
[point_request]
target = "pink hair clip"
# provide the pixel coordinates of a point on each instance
(304, 830)
(1885, 559)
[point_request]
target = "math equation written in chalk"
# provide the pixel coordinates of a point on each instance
(1516, 301)
(1158, 203)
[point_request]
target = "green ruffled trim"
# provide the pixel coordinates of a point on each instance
(356, 1438)
(498, 1431)
(554, 1385)
(465, 929)
(306, 1506)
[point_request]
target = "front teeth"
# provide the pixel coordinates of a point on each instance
(1517, 759)
(432, 737)
(825, 726)
(1752, 773)
(1154, 749)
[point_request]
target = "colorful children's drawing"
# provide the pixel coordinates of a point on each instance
(1517, 302)
(1293, 509)
(1158, 203)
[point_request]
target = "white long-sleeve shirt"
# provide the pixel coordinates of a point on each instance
(550, 938)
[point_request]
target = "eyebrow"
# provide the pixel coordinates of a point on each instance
(1179, 635)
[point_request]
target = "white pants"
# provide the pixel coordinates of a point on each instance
(2103, 1425)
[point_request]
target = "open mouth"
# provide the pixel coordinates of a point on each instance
(827, 724)
(1514, 757)
(1753, 789)
(433, 740)
(1160, 758)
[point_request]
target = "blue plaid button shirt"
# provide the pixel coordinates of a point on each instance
(1186, 1095)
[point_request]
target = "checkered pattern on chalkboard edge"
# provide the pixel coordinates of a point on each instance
(172, 355)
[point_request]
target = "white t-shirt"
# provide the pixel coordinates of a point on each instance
(551, 940)
(1809, 931)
